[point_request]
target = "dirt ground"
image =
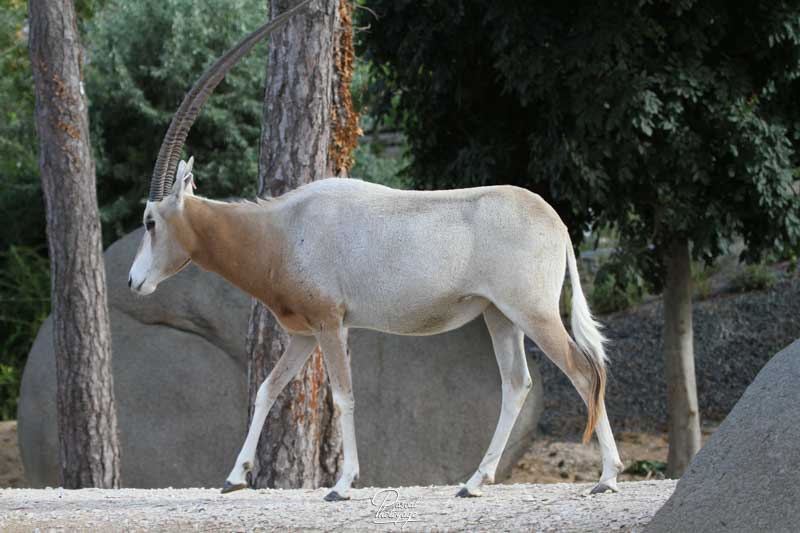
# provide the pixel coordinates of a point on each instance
(11, 474)
(551, 460)
(548, 460)
(555, 461)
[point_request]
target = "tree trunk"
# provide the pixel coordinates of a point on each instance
(344, 119)
(683, 415)
(87, 423)
(301, 443)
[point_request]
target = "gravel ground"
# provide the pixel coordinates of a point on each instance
(735, 335)
(558, 507)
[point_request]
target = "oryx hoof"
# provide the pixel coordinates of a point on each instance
(604, 487)
(334, 496)
(465, 493)
(230, 487)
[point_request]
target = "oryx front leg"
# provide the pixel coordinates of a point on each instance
(337, 363)
(507, 340)
(287, 367)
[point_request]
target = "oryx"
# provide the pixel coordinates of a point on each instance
(341, 253)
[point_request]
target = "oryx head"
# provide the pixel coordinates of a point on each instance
(161, 253)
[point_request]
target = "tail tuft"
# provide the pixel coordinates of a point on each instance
(590, 341)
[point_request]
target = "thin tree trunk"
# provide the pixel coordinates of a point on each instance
(683, 415)
(301, 443)
(87, 423)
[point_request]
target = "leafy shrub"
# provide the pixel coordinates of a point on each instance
(24, 304)
(608, 296)
(372, 164)
(24, 285)
(617, 286)
(21, 205)
(701, 279)
(143, 57)
(756, 277)
(648, 469)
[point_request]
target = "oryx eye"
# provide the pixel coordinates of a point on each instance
(150, 225)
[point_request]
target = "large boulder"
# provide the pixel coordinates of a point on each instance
(745, 477)
(179, 379)
(426, 407)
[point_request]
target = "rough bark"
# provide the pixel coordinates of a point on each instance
(87, 423)
(301, 444)
(683, 420)
(344, 119)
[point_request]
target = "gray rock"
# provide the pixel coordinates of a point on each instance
(426, 407)
(180, 406)
(193, 301)
(179, 380)
(745, 478)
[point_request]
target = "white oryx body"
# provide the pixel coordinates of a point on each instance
(339, 254)
(417, 263)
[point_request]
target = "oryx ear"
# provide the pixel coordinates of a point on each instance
(184, 179)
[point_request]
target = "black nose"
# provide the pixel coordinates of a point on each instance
(129, 282)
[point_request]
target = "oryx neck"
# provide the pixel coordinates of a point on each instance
(235, 240)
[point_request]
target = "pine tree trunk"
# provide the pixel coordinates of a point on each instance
(683, 414)
(344, 119)
(87, 423)
(301, 443)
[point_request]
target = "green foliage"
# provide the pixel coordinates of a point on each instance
(647, 468)
(21, 208)
(616, 287)
(20, 198)
(86, 9)
(374, 161)
(21, 205)
(374, 165)
(701, 278)
(755, 277)
(144, 56)
(666, 120)
(24, 304)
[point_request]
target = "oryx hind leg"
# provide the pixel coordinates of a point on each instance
(337, 363)
(507, 340)
(547, 330)
(294, 357)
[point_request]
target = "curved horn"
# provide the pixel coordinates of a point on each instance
(193, 102)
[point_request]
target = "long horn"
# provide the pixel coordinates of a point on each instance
(193, 102)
